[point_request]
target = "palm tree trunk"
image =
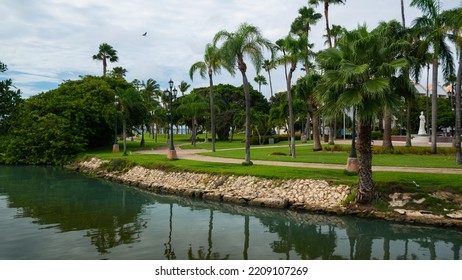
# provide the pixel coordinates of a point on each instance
(212, 112)
(308, 126)
(458, 115)
(291, 112)
(124, 128)
(247, 117)
(326, 15)
(316, 137)
(193, 136)
(403, 20)
(104, 65)
(408, 123)
(270, 83)
(434, 105)
(332, 132)
(366, 189)
(387, 144)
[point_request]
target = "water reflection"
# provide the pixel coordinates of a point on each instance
(49, 213)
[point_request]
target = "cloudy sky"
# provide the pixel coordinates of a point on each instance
(45, 42)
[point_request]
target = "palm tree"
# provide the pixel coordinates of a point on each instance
(431, 25)
(118, 72)
(357, 74)
(132, 108)
(150, 93)
(191, 107)
(305, 90)
(292, 50)
(247, 41)
(106, 52)
(260, 80)
(211, 64)
(326, 15)
(302, 27)
(269, 65)
(183, 87)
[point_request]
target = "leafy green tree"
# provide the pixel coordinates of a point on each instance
(10, 99)
(211, 64)
(106, 52)
(357, 74)
(246, 41)
(54, 126)
(432, 27)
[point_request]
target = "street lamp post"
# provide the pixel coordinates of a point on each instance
(115, 146)
(171, 153)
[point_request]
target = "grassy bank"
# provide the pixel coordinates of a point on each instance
(386, 181)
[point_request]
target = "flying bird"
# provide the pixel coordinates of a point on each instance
(145, 33)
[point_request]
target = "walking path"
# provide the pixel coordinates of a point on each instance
(194, 154)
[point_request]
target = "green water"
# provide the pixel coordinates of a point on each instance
(51, 213)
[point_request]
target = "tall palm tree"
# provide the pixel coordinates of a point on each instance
(106, 52)
(260, 80)
(292, 50)
(302, 27)
(357, 74)
(431, 25)
(211, 64)
(183, 87)
(246, 41)
(326, 15)
(269, 65)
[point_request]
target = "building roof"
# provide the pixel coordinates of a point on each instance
(442, 92)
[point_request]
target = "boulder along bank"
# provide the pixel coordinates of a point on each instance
(295, 194)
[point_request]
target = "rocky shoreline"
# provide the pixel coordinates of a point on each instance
(295, 194)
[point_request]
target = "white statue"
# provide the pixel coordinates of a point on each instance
(422, 125)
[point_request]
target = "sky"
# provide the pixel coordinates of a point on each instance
(47, 42)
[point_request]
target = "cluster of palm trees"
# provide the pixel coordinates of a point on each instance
(369, 71)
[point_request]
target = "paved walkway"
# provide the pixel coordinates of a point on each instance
(194, 154)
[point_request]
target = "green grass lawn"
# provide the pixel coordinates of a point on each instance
(386, 181)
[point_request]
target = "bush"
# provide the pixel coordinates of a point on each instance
(377, 135)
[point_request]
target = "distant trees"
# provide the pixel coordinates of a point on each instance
(10, 99)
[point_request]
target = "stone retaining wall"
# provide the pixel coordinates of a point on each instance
(248, 190)
(297, 194)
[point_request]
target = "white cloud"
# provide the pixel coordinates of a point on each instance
(53, 40)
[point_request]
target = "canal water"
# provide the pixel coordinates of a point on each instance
(51, 213)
